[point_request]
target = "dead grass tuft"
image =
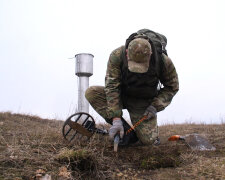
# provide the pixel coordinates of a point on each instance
(80, 160)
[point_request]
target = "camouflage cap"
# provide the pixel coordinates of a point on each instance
(138, 55)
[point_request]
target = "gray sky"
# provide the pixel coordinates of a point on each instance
(38, 37)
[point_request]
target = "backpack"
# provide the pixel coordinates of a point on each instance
(159, 41)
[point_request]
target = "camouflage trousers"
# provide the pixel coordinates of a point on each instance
(147, 131)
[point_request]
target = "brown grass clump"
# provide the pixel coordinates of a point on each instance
(80, 161)
(33, 148)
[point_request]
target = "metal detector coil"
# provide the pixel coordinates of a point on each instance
(82, 124)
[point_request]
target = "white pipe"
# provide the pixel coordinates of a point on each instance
(83, 84)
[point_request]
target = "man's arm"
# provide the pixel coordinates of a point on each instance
(169, 79)
(112, 84)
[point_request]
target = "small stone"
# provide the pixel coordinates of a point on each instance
(40, 171)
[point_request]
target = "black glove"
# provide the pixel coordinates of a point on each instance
(150, 112)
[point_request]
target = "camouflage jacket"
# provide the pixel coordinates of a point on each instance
(169, 80)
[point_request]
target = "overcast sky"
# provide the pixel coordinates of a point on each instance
(38, 36)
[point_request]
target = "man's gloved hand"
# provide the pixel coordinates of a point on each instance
(117, 127)
(150, 112)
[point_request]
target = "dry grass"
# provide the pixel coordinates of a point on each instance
(31, 147)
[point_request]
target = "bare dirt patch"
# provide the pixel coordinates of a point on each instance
(31, 147)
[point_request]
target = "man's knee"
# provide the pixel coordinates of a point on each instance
(89, 93)
(148, 133)
(150, 137)
(94, 92)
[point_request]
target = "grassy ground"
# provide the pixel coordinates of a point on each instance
(31, 147)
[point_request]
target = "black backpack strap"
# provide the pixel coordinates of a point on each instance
(124, 64)
(129, 39)
(159, 39)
